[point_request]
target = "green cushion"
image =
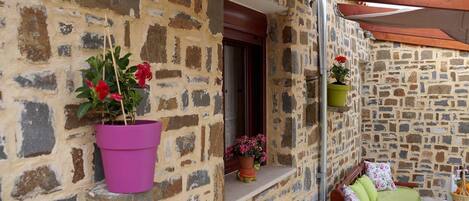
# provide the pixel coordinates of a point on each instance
(401, 193)
(370, 188)
(360, 191)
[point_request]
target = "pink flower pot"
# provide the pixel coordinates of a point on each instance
(129, 155)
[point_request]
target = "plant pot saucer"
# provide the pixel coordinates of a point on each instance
(245, 179)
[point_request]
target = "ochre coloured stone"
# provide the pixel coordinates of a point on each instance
(167, 104)
(304, 38)
(184, 21)
(127, 34)
(186, 3)
(154, 48)
(72, 121)
(194, 57)
(285, 159)
(216, 138)
(177, 51)
(439, 89)
(123, 7)
(33, 38)
(78, 171)
(165, 74)
(197, 6)
(177, 122)
(202, 143)
(220, 57)
(289, 35)
(440, 157)
(414, 138)
(40, 180)
(167, 188)
(215, 15)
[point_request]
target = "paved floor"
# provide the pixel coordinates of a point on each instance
(430, 199)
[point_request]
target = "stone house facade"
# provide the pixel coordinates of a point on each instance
(50, 155)
(46, 153)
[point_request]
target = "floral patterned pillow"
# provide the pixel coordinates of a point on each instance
(380, 174)
(349, 194)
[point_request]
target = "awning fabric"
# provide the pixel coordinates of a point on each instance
(453, 22)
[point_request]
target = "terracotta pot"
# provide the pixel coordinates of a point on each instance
(246, 167)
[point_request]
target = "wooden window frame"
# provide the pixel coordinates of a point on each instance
(248, 27)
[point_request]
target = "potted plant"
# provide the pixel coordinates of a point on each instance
(251, 154)
(128, 146)
(337, 91)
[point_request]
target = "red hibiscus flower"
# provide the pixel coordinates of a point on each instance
(89, 84)
(117, 97)
(102, 89)
(341, 59)
(143, 73)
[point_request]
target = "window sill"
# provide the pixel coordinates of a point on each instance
(268, 176)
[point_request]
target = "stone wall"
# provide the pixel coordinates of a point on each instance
(292, 123)
(415, 113)
(293, 99)
(344, 138)
(46, 153)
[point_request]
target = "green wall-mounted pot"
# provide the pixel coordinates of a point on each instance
(337, 95)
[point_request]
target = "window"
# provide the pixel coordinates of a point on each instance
(244, 75)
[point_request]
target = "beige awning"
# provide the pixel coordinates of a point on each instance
(453, 22)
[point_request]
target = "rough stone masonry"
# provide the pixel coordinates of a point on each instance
(46, 153)
(415, 113)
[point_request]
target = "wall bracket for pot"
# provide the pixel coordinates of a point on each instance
(338, 109)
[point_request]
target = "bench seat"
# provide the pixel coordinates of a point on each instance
(401, 193)
(404, 192)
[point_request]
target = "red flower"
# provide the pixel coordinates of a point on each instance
(89, 84)
(117, 97)
(143, 73)
(102, 89)
(341, 59)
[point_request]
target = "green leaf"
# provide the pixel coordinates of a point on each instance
(123, 63)
(85, 94)
(132, 69)
(96, 79)
(127, 56)
(81, 89)
(257, 166)
(117, 52)
(93, 62)
(83, 109)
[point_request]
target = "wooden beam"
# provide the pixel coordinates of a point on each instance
(415, 40)
(441, 4)
(353, 9)
(420, 32)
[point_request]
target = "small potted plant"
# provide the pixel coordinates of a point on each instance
(251, 154)
(337, 91)
(128, 146)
